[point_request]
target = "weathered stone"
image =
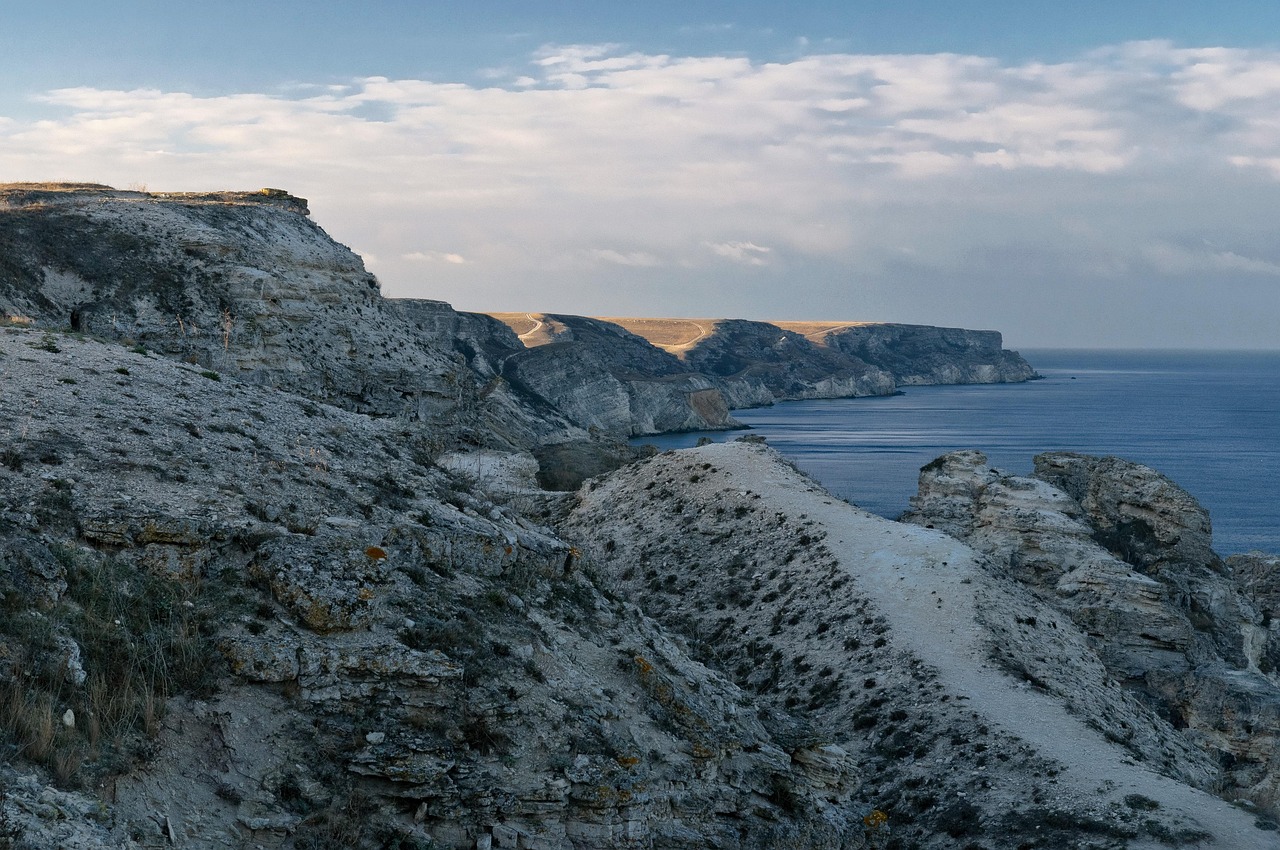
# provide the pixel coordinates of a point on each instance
(1125, 553)
(33, 571)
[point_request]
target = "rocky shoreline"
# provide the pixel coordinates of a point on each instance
(278, 569)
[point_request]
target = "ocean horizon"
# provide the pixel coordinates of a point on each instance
(1207, 419)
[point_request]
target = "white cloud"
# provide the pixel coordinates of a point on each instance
(747, 253)
(435, 257)
(638, 259)
(1178, 260)
(948, 168)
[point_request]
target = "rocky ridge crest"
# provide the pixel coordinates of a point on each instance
(1127, 555)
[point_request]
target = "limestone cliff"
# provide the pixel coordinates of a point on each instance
(950, 696)
(246, 285)
(1126, 555)
(604, 377)
(276, 571)
(246, 618)
(759, 363)
(747, 363)
(922, 354)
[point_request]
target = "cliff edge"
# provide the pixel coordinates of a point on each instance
(276, 570)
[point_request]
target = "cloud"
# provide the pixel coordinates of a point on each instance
(921, 177)
(747, 253)
(1178, 260)
(434, 257)
(638, 259)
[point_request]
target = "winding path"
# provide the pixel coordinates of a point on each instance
(537, 326)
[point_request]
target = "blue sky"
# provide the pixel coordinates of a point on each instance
(1071, 174)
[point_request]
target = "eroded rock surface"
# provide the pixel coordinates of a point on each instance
(1127, 555)
(277, 570)
(961, 704)
(274, 623)
(721, 364)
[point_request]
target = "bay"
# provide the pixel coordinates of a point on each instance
(1208, 420)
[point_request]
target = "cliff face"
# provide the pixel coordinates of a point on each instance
(1126, 555)
(246, 285)
(266, 621)
(603, 377)
(759, 363)
(276, 571)
(655, 375)
(921, 354)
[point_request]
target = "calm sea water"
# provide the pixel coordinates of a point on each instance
(1208, 420)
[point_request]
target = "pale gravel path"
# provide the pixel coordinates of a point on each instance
(537, 326)
(901, 567)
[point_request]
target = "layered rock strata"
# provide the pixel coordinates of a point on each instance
(245, 284)
(1127, 556)
(922, 354)
(251, 619)
(276, 570)
(749, 364)
(603, 377)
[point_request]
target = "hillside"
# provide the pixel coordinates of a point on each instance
(280, 571)
(753, 363)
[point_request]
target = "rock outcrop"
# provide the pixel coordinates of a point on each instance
(278, 569)
(758, 363)
(603, 377)
(1127, 555)
(962, 705)
(735, 363)
(246, 285)
(922, 354)
(275, 622)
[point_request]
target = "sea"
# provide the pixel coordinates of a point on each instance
(1208, 420)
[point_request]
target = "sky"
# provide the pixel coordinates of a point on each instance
(1081, 174)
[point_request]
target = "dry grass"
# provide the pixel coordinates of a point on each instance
(816, 332)
(521, 323)
(673, 335)
(140, 645)
(52, 187)
(534, 329)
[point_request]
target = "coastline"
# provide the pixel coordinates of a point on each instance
(1200, 417)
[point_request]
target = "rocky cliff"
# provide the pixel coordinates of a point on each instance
(1126, 555)
(758, 363)
(276, 571)
(944, 689)
(233, 616)
(721, 364)
(607, 378)
(921, 354)
(245, 284)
